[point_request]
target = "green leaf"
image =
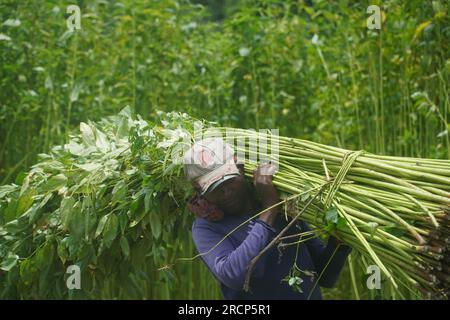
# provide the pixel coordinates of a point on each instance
(148, 200)
(123, 129)
(5, 190)
(25, 201)
(442, 134)
(65, 210)
(125, 113)
(119, 192)
(331, 216)
(62, 252)
(155, 224)
(75, 92)
(394, 231)
(9, 262)
(55, 183)
(48, 84)
(342, 224)
(35, 212)
(102, 141)
(17, 225)
(417, 95)
(125, 246)
(87, 134)
(44, 255)
(28, 271)
(123, 221)
(76, 222)
(89, 167)
(110, 230)
(20, 177)
(10, 212)
(68, 247)
(66, 35)
(101, 225)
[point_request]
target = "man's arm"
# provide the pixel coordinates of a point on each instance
(227, 263)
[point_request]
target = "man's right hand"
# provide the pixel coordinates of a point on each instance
(266, 191)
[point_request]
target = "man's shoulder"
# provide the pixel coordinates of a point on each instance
(204, 229)
(201, 223)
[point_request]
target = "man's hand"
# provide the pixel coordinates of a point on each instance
(265, 190)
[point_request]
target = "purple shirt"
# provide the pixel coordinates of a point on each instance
(229, 261)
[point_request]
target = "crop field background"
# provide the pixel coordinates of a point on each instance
(312, 69)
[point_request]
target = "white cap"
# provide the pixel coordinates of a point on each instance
(209, 162)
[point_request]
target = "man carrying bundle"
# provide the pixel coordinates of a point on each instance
(229, 239)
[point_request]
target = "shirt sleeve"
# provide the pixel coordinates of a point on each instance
(328, 259)
(229, 264)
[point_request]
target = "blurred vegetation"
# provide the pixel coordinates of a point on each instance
(310, 68)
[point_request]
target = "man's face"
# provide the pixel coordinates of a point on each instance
(229, 196)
